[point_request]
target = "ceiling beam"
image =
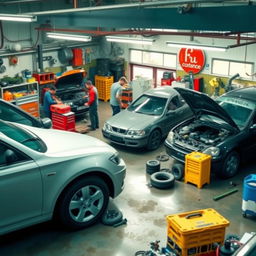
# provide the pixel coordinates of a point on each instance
(221, 18)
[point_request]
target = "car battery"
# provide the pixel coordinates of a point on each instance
(249, 195)
(60, 108)
(197, 168)
(195, 233)
(64, 121)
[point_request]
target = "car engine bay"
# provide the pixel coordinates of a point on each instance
(198, 135)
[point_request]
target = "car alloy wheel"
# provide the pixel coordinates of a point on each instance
(231, 165)
(154, 139)
(83, 203)
(86, 203)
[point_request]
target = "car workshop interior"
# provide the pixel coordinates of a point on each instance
(127, 128)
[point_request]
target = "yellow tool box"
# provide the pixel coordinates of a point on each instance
(197, 168)
(103, 85)
(195, 233)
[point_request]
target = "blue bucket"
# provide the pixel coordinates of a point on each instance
(249, 189)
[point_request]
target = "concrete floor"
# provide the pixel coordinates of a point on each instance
(145, 209)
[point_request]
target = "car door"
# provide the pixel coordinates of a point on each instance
(176, 112)
(20, 187)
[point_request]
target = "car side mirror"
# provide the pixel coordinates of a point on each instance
(10, 156)
(46, 122)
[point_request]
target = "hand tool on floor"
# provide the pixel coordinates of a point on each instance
(215, 198)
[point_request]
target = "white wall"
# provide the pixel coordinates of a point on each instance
(26, 36)
(244, 53)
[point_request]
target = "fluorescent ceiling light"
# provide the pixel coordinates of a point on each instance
(130, 40)
(69, 37)
(15, 17)
(197, 46)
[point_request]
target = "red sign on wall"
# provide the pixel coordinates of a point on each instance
(191, 60)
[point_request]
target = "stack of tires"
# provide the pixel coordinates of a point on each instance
(159, 178)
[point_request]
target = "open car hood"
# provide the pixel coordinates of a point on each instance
(72, 79)
(202, 104)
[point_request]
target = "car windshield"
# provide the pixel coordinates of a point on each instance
(148, 105)
(22, 136)
(240, 110)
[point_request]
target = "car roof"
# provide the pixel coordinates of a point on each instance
(248, 93)
(163, 91)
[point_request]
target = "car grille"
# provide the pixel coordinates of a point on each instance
(116, 139)
(118, 130)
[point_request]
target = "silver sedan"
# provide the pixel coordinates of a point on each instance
(148, 119)
(49, 172)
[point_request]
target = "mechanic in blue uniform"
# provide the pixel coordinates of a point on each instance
(49, 99)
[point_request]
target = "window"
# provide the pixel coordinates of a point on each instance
(13, 115)
(230, 68)
(22, 136)
(6, 150)
(149, 58)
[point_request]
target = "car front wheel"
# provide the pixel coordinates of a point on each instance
(230, 165)
(154, 140)
(83, 203)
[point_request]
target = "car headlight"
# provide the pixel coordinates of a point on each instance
(115, 159)
(170, 137)
(107, 127)
(213, 151)
(136, 132)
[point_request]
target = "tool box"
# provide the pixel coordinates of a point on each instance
(195, 233)
(64, 121)
(249, 195)
(197, 168)
(60, 108)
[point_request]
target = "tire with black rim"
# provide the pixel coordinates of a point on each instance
(230, 165)
(152, 166)
(83, 203)
(154, 140)
(162, 180)
(178, 171)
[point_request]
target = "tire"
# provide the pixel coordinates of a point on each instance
(162, 180)
(111, 217)
(178, 171)
(152, 166)
(83, 203)
(230, 165)
(154, 140)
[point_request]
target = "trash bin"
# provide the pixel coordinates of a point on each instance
(249, 195)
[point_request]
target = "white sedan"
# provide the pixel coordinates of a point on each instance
(49, 172)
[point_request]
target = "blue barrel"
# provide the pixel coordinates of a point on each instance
(249, 189)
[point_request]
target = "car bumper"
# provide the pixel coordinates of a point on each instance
(79, 110)
(121, 139)
(119, 178)
(179, 155)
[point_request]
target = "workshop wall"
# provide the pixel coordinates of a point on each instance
(241, 54)
(19, 50)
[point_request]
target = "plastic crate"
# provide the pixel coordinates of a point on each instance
(197, 168)
(103, 85)
(44, 78)
(195, 233)
(60, 108)
(64, 121)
